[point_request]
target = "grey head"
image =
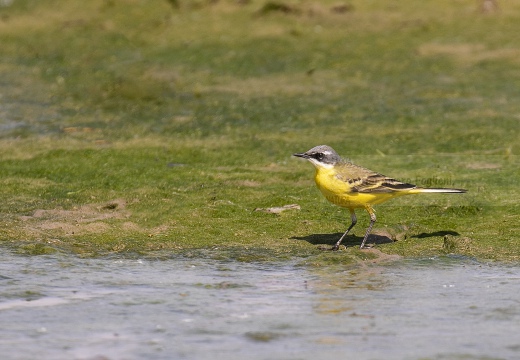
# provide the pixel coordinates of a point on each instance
(321, 155)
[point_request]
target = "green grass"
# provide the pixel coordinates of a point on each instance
(139, 127)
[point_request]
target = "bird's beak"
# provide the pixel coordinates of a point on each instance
(302, 155)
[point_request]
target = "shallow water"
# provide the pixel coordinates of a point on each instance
(61, 307)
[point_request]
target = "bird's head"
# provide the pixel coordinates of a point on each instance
(321, 156)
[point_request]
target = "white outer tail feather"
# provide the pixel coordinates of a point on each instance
(440, 190)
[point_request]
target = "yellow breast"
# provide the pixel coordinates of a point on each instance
(340, 192)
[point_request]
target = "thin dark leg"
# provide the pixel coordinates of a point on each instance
(354, 221)
(372, 221)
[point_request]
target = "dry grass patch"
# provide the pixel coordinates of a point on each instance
(85, 219)
(469, 53)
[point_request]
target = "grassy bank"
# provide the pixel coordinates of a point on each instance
(162, 127)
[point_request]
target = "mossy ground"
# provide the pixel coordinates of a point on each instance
(160, 126)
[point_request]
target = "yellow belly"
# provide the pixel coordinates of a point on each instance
(340, 193)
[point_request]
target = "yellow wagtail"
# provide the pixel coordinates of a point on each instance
(354, 187)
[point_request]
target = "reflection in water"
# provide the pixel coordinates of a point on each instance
(60, 307)
(348, 291)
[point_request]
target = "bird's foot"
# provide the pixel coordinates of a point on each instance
(366, 246)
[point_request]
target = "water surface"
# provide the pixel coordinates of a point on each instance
(61, 307)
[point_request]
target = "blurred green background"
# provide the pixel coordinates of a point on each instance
(140, 126)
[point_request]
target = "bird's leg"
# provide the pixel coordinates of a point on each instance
(354, 221)
(372, 214)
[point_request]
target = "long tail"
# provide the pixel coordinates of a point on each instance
(437, 190)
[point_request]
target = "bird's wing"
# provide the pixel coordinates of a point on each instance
(366, 181)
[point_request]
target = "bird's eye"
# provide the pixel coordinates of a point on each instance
(319, 156)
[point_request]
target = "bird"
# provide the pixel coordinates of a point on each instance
(354, 187)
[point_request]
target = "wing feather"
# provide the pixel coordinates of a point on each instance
(366, 181)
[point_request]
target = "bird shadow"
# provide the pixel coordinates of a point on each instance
(350, 240)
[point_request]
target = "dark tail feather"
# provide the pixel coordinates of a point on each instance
(438, 190)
